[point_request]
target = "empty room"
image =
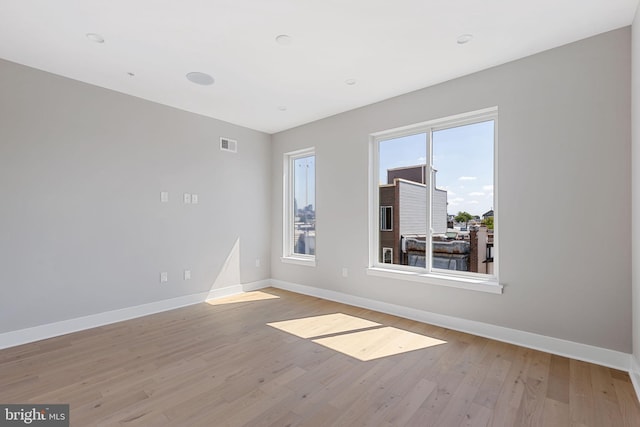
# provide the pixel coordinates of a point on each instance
(320, 213)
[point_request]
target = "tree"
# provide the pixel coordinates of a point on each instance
(463, 217)
(488, 222)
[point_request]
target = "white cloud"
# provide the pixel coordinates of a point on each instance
(456, 200)
(448, 190)
(487, 187)
(476, 193)
(467, 178)
(422, 160)
(474, 202)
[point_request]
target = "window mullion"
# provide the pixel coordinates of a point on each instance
(429, 189)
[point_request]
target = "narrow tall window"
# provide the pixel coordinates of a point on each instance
(386, 218)
(439, 178)
(300, 206)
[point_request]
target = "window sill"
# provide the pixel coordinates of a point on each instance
(469, 283)
(309, 262)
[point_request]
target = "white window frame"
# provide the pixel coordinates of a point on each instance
(389, 226)
(288, 253)
(429, 275)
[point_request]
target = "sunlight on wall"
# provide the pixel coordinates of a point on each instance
(359, 338)
(230, 272)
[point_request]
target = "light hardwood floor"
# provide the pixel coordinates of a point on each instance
(275, 358)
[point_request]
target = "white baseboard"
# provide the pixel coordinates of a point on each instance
(40, 332)
(255, 286)
(236, 289)
(223, 292)
(634, 373)
(584, 352)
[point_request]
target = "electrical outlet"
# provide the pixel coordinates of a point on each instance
(257, 262)
(345, 272)
(164, 277)
(194, 199)
(187, 198)
(164, 196)
(187, 275)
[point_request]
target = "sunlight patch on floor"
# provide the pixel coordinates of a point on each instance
(359, 338)
(244, 297)
(316, 326)
(376, 343)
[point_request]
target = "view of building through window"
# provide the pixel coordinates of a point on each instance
(454, 167)
(304, 214)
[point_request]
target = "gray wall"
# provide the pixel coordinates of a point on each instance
(82, 229)
(563, 186)
(636, 185)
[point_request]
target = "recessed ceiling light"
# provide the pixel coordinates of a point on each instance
(284, 40)
(200, 78)
(465, 38)
(97, 38)
(350, 82)
(282, 108)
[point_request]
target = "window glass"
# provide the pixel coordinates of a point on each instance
(462, 199)
(304, 213)
(401, 174)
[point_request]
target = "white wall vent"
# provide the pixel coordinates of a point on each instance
(227, 144)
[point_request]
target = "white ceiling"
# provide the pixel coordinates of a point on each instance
(389, 47)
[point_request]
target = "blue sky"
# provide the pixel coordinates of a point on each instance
(463, 157)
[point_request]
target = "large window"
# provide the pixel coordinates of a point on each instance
(299, 241)
(438, 180)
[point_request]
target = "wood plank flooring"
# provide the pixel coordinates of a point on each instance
(275, 358)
